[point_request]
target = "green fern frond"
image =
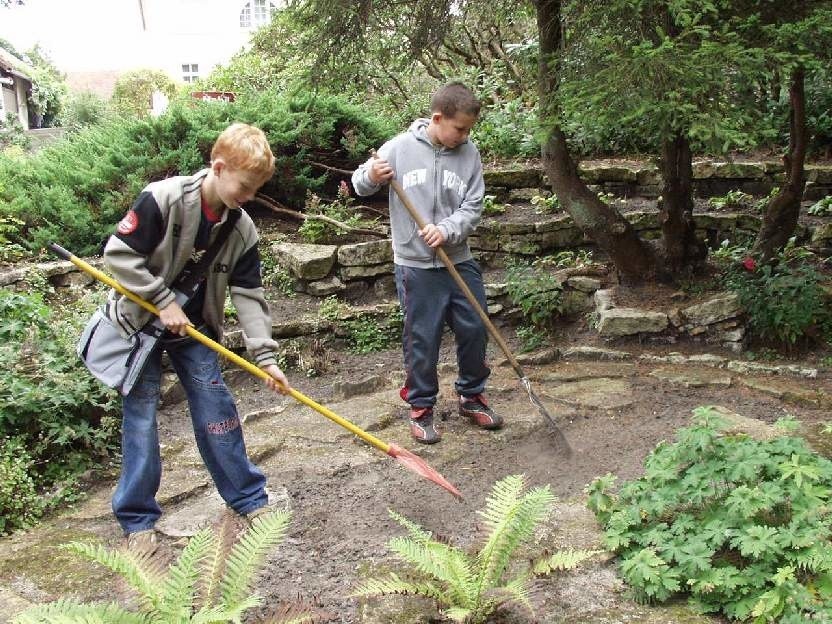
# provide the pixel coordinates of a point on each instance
(457, 614)
(180, 583)
(442, 562)
(214, 565)
(512, 520)
(216, 615)
(248, 555)
(66, 611)
(414, 531)
(563, 560)
(297, 613)
(140, 572)
(516, 591)
(393, 584)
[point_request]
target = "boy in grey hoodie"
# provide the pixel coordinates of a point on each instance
(441, 171)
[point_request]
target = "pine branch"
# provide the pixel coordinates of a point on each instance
(276, 207)
(329, 168)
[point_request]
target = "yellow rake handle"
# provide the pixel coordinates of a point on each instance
(212, 344)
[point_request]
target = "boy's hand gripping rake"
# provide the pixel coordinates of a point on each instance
(403, 456)
(524, 380)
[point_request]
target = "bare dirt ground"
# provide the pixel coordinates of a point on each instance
(340, 490)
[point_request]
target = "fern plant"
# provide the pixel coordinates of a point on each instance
(739, 525)
(470, 587)
(211, 581)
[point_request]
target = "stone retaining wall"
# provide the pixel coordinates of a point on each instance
(710, 178)
(356, 269)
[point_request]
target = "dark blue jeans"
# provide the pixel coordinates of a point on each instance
(430, 299)
(217, 429)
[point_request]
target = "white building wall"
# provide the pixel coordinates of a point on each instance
(22, 108)
(205, 33)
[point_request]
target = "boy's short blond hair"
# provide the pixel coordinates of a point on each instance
(242, 146)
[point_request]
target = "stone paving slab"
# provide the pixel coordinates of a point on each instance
(692, 376)
(789, 391)
(598, 393)
(585, 370)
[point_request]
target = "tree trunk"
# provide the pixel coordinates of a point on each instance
(783, 210)
(680, 250)
(613, 234)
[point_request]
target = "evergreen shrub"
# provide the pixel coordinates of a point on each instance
(74, 191)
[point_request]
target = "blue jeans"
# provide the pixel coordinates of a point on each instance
(217, 429)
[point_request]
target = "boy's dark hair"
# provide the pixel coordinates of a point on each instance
(454, 98)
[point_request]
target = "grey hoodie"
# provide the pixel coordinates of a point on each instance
(445, 185)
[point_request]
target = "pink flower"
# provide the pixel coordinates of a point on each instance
(344, 189)
(749, 263)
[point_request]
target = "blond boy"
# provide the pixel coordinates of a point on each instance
(170, 225)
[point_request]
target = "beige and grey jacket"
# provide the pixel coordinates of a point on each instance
(155, 240)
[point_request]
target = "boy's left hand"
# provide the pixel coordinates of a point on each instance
(432, 236)
(278, 380)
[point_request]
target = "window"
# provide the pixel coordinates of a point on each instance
(190, 72)
(257, 13)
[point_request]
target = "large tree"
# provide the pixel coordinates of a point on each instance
(605, 225)
(795, 34)
(670, 71)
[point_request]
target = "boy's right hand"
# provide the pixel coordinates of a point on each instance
(380, 171)
(174, 318)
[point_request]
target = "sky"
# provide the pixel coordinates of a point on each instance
(78, 35)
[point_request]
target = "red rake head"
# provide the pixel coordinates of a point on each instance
(420, 467)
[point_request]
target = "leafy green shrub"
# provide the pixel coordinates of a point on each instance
(340, 210)
(368, 334)
(546, 204)
(491, 207)
(83, 109)
(19, 502)
(9, 251)
(49, 403)
(530, 337)
(536, 290)
(471, 587)
(77, 189)
(134, 90)
(822, 207)
(211, 581)
(507, 129)
(365, 332)
(762, 204)
(742, 526)
(784, 300)
(732, 200)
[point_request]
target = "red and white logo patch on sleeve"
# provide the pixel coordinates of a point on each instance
(129, 223)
